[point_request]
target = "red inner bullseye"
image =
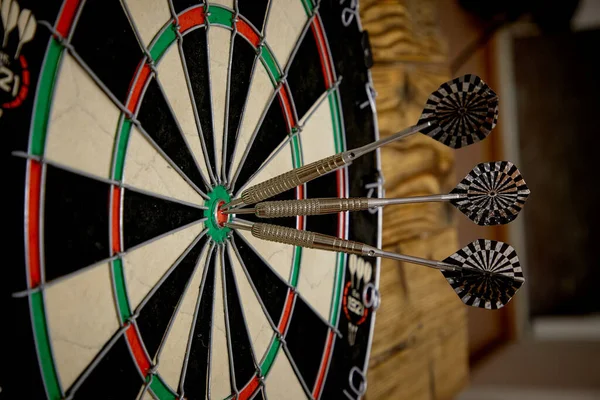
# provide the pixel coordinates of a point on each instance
(220, 217)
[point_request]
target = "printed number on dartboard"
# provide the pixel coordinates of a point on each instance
(9, 82)
(349, 12)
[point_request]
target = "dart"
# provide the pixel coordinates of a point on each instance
(485, 273)
(491, 194)
(460, 112)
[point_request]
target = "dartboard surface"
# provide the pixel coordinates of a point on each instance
(129, 123)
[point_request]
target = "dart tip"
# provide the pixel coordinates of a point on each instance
(239, 211)
(235, 225)
(233, 203)
(220, 215)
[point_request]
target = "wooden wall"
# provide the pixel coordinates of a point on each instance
(420, 345)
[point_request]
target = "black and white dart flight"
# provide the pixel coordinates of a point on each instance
(462, 111)
(492, 193)
(488, 273)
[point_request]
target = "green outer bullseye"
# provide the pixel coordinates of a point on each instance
(215, 196)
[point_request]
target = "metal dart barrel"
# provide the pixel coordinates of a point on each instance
(307, 173)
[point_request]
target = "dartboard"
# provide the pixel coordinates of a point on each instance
(130, 123)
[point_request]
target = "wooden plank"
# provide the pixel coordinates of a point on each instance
(419, 349)
(403, 30)
(420, 344)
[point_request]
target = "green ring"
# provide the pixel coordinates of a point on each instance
(215, 196)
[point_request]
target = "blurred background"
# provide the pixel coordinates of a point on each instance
(543, 60)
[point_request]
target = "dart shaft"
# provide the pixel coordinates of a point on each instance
(389, 139)
(307, 173)
(292, 208)
(414, 199)
(245, 226)
(415, 260)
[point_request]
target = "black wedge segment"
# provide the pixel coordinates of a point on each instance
(254, 11)
(271, 133)
(306, 337)
(182, 5)
(242, 64)
(197, 375)
(271, 289)
(195, 51)
(323, 187)
(154, 317)
(149, 217)
(118, 364)
(305, 76)
(114, 54)
(160, 124)
(244, 366)
(76, 222)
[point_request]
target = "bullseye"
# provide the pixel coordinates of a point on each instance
(215, 218)
(220, 216)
